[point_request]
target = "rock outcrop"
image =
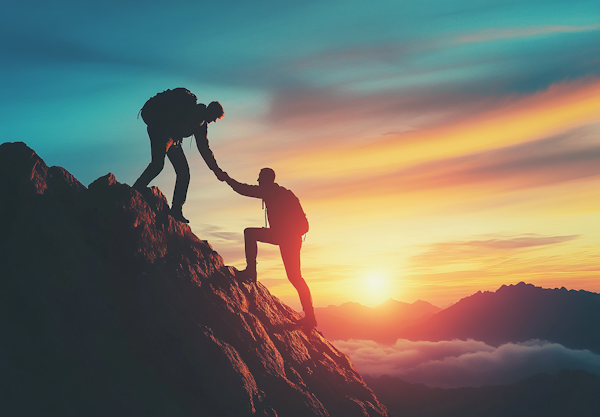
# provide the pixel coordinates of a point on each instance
(110, 307)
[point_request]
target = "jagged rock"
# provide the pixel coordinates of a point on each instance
(110, 307)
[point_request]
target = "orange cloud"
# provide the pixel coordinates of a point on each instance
(445, 253)
(556, 110)
(549, 161)
(508, 33)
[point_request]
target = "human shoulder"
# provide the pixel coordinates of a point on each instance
(272, 191)
(201, 136)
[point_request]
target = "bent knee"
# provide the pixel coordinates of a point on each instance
(185, 174)
(157, 166)
(182, 170)
(248, 231)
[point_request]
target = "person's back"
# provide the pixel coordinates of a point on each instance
(284, 211)
(173, 112)
(288, 223)
(171, 116)
(168, 107)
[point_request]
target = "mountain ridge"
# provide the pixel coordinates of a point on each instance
(569, 392)
(111, 307)
(517, 313)
(513, 313)
(382, 323)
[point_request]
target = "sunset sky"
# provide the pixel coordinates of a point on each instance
(439, 148)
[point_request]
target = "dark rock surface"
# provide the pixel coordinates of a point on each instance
(110, 307)
(568, 393)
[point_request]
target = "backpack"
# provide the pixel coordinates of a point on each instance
(168, 108)
(285, 212)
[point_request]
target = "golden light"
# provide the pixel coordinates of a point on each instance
(376, 288)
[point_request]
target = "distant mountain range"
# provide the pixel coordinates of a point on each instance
(383, 323)
(569, 393)
(513, 313)
(517, 313)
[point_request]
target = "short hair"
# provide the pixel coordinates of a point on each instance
(215, 109)
(267, 174)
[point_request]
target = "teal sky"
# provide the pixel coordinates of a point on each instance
(75, 73)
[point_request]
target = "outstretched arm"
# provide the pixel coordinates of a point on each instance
(202, 143)
(243, 189)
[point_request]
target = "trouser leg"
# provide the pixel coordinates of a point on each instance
(290, 254)
(251, 249)
(252, 235)
(158, 149)
(182, 173)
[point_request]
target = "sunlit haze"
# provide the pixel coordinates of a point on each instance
(438, 148)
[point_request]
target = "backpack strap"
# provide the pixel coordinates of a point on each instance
(265, 209)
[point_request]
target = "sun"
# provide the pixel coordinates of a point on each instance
(375, 285)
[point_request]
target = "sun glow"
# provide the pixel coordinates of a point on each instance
(376, 288)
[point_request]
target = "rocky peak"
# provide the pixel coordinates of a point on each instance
(518, 313)
(110, 307)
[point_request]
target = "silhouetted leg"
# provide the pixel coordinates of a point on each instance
(182, 179)
(290, 254)
(252, 235)
(158, 149)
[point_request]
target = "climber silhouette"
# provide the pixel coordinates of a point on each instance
(171, 116)
(288, 224)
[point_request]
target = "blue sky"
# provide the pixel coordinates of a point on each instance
(83, 68)
(294, 78)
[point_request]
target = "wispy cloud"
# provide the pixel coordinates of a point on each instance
(569, 156)
(560, 108)
(444, 277)
(444, 253)
(573, 155)
(316, 108)
(217, 233)
(508, 33)
(451, 364)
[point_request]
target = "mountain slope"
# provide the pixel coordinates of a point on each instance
(517, 313)
(569, 393)
(110, 307)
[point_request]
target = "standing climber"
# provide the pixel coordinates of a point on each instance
(287, 225)
(171, 116)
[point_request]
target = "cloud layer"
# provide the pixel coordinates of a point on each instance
(444, 253)
(451, 364)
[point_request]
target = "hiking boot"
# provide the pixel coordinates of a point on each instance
(309, 322)
(247, 275)
(178, 215)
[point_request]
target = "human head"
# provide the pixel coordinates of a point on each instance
(266, 176)
(214, 111)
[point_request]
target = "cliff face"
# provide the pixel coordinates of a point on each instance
(110, 307)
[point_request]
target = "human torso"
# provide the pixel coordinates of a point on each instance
(171, 113)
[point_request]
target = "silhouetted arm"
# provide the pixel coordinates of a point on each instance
(202, 143)
(244, 189)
